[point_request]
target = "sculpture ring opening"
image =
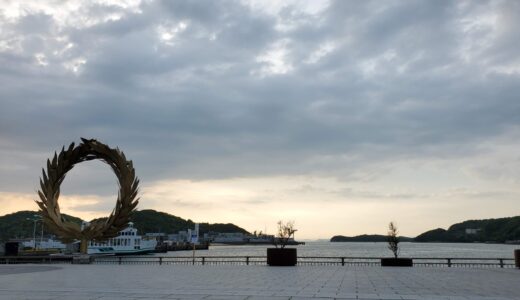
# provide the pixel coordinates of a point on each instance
(50, 191)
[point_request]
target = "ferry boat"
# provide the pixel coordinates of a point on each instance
(127, 242)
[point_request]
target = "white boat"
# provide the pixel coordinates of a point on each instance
(127, 242)
(47, 244)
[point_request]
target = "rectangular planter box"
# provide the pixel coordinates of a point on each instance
(396, 262)
(281, 257)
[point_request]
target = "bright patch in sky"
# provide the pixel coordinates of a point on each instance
(274, 60)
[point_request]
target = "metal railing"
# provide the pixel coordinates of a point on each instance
(183, 260)
(35, 259)
(260, 260)
(417, 261)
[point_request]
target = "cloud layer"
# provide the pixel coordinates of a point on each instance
(393, 98)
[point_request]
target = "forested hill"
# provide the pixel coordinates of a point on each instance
(481, 231)
(489, 230)
(19, 224)
(149, 220)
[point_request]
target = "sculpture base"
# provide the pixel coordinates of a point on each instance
(82, 259)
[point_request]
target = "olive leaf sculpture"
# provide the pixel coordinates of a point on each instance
(51, 180)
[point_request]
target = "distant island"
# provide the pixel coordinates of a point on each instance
(19, 224)
(501, 230)
(366, 238)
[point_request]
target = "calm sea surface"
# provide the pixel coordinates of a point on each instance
(368, 250)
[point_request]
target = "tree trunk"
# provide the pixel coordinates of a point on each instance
(83, 247)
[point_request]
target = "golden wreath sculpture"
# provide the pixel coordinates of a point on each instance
(51, 180)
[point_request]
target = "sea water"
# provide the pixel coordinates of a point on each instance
(353, 249)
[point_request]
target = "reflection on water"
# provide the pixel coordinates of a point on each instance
(368, 250)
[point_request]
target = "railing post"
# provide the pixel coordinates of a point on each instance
(501, 263)
(342, 261)
(160, 260)
(247, 260)
(203, 260)
(449, 262)
(119, 259)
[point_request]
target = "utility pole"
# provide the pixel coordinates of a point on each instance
(41, 236)
(35, 220)
(34, 235)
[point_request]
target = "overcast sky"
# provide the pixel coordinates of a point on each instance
(339, 115)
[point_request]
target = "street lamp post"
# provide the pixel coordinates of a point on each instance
(41, 236)
(35, 220)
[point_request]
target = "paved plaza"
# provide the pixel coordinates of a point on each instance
(254, 282)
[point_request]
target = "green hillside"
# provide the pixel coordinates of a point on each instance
(149, 220)
(488, 230)
(19, 224)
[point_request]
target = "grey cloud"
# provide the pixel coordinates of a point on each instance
(195, 109)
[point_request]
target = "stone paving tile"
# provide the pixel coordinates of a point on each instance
(347, 295)
(185, 297)
(113, 298)
(225, 297)
(409, 297)
(309, 298)
(325, 295)
(268, 298)
(389, 296)
(281, 294)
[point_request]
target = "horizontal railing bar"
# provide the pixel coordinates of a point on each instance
(464, 258)
(432, 258)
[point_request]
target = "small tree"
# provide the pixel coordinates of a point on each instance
(285, 232)
(393, 239)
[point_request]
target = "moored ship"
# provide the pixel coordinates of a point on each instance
(127, 242)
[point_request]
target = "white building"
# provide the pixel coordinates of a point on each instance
(231, 237)
(472, 230)
(44, 244)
